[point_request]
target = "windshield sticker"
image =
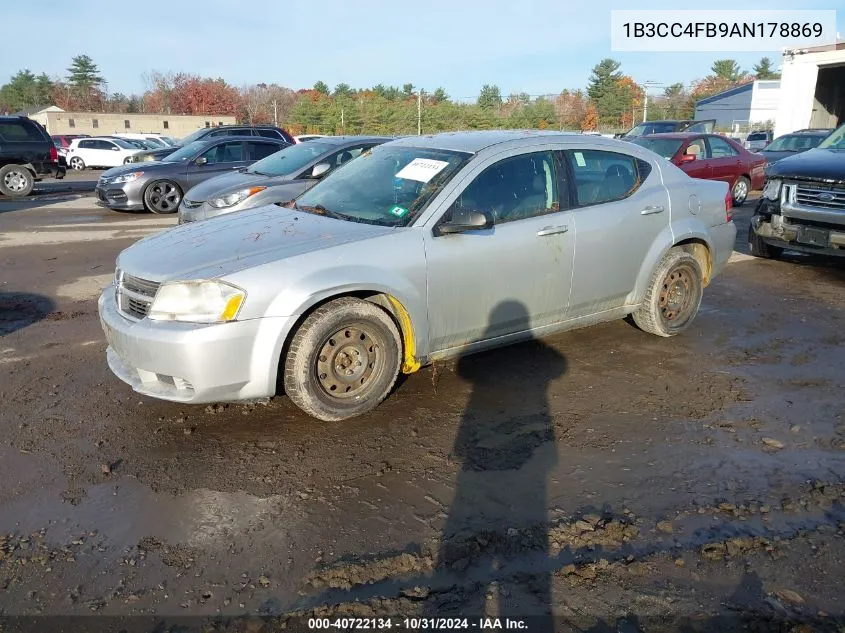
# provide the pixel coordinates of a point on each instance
(579, 159)
(398, 211)
(422, 169)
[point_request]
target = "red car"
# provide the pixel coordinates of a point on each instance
(711, 157)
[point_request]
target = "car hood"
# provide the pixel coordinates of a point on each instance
(774, 156)
(154, 166)
(230, 243)
(227, 183)
(814, 164)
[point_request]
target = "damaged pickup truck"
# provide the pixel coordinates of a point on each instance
(802, 207)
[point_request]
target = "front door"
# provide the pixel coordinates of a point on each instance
(224, 157)
(700, 167)
(514, 276)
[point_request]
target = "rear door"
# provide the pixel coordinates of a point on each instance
(724, 159)
(620, 208)
(257, 149)
(224, 156)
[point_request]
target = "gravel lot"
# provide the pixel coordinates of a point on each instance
(616, 480)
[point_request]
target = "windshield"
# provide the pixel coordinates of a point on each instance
(651, 128)
(388, 185)
(757, 136)
(290, 159)
(192, 137)
(793, 143)
(185, 152)
(154, 142)
(836, 140)
(665, 147)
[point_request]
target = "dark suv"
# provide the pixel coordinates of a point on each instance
(27, 153)
(268, 131)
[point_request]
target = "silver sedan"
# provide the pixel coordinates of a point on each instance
(278, 178)
(424, 249)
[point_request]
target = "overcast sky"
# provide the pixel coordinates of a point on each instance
(532, 46)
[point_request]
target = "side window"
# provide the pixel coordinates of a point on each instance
(258, 150)
(603, 176)
(699, 148)
(225, 153)
(87, 145)
(108, 145)
(269, 133)
(19, 132)
(720, 148)
(514, 189)
(345, 155)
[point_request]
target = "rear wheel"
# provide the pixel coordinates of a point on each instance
(740, 190)
(76, 163)
(16, 180)
(343, 360)
(673, 295)
(760, 248)
(162, 196)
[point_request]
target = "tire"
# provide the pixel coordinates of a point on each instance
(16, 181)
(162, 196)
(342, 332)
(739, 192)
(76, 163)
(759, 248)
(673, 295)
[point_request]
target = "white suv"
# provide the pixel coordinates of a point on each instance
(99, 152)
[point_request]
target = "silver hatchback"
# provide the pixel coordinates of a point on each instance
(423, 249)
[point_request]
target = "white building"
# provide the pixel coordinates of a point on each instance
(813, 87)
(743, 107)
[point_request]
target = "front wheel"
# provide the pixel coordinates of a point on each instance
(343, 360)
(16, 181)
(740, 190)
(760, 248)
(162, 196)
(673, 295)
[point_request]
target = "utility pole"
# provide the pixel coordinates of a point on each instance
(342, 122)
(646, 85)
(419, 112)
(275, 114)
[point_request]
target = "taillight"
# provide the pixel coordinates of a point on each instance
(54, 153)
(729, 206)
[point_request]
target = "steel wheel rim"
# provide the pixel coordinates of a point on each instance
(740, 191)
(348, 362)
(15, 180)
(164, 197)
(677, 295)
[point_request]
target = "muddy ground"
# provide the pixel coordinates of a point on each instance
(600, 480)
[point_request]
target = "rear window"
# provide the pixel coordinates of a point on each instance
(17, 131)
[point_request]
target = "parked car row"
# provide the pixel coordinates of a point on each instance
(265, 131)
(420, 249)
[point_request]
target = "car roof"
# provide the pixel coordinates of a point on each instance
(473, 142)
(351, 140)
(677, 135)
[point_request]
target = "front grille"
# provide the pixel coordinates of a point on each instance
(135, 295)
(822, 196)
(192, 204)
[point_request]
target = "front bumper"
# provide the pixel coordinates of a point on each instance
(123, 197)
(194, 363)
(777, 230)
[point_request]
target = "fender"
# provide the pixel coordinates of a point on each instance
(682, 230)
(404, 301)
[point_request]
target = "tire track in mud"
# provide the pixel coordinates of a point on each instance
(582, 549)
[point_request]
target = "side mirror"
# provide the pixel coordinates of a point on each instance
(115, 149)
(202, 160)
(687, 158)
(320, 169)
(465, 220)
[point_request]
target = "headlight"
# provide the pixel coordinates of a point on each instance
(231, 199)
(117, 274)
(197, 302)
(126, 178)
(771, 191)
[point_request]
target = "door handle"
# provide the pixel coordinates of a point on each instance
(552, 230)
(652, 208)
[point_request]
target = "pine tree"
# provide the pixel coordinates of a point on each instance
(764, 70)
(84, 74)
